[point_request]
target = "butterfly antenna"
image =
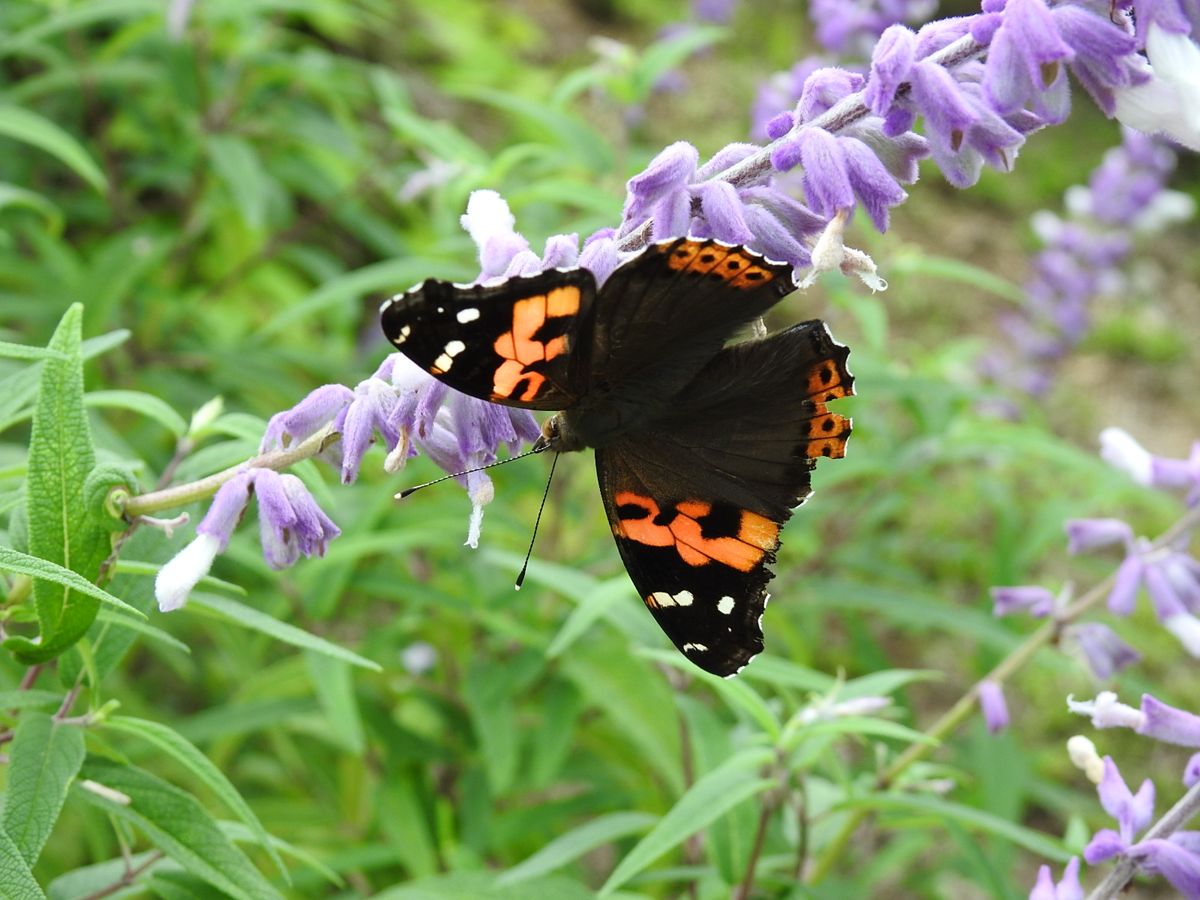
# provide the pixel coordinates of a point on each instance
(536, 522)
(537, 449)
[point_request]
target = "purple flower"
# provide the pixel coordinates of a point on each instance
(1105, 652)
(1022, 56)
(1067, 889)
(292, 524)
(1088, 534)
(1154, 719)
(1037, 601)
(993, 705)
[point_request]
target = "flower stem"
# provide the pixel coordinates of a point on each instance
(950, 720)
(183, 494)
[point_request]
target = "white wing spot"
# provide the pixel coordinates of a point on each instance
(725, 605)
(404, 333)
(467, 315)
(699, 648)
(441, 309)
(454, 348)
(443, 362)
(662, 598)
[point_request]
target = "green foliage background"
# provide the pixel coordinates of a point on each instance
(229, 207)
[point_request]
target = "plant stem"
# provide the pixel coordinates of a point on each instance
(183, 494)
(949, 721)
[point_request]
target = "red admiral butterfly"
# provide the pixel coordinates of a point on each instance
(702, 449)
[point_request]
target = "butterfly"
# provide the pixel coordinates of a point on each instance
(703, 447)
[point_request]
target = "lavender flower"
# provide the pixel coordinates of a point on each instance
(1082, 258)
(993, 705)
(1121, 449)
(1068, 888)
(1166, 99)
(851, 29)
(1037, 601)
(1101, 647)
(292, 524)
(1154, 719)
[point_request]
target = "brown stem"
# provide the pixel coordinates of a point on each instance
(127, 877)
(760, 838)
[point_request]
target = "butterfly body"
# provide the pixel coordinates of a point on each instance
(702, 448)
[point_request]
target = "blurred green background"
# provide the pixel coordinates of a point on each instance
(231, 196)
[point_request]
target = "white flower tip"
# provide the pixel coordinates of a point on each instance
(1186, 629)
(475, 527)
(1121, 450)
(398, 455)
(487, 214)
(181, 573)
(1083, 755)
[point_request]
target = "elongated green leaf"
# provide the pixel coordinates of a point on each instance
(471, 885)
(236, 162)
(41, 569)
(238, 832)
(89, 880)
(116, 621)
(333, 683)
(176, 823)
(32, 699)
(23, 125)
(716, 792)
(974, 819)
(44, 758)
(257, 620)
(175, 745)
(147, 404)
(575, 843)
(24, 351)
(15, 875)
(13, 196)
(61, 529)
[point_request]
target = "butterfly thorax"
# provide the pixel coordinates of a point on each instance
(594, 422)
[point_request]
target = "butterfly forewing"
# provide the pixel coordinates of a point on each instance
(517, 343)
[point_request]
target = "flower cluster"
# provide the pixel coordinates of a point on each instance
(1126, 197)
(1164, 849)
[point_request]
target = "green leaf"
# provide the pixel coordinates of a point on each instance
(575, 843)
(116, 621)
(23, 125)
(175, 745)
(15, 875)
(88, 881)
(248, 617)
(238, 832)
(61, 527)
(974, 819)
(45, 756)
(13, 196)
(472, 885)
(24, 351)
(236, 162)
(334, 686)
(176, 823)
(705, 801)
(32, 699)
(42, 570)
(146, 404)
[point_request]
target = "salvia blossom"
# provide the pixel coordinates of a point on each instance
(291, 524)
(1068, 888)
(1121, 449)
(1176, 856)
(1083, 257)
(993, 705)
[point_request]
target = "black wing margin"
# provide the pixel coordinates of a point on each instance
(697, 505)
(524, 342)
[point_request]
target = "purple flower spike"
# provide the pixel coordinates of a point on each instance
(1022, 56)
(1168, 724)
(890, 65)
(1133, 812)
(1105, 652)
(1191, 772)
(667, 173)
(370, 411)
(724, 212)
(1037, 601)
(826, 179)
(873, 185)
(993, 706)
(1179, 866)
(600, 255)
(1123, 597)
(779, 125)
(491, 225)
(1088, 534)
(305, 418)
(1067, 889)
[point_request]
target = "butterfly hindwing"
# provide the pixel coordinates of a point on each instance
(696, 505)
(518, 343)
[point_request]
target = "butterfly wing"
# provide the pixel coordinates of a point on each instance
(523, 342)
(665, 313)
(697, 504)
